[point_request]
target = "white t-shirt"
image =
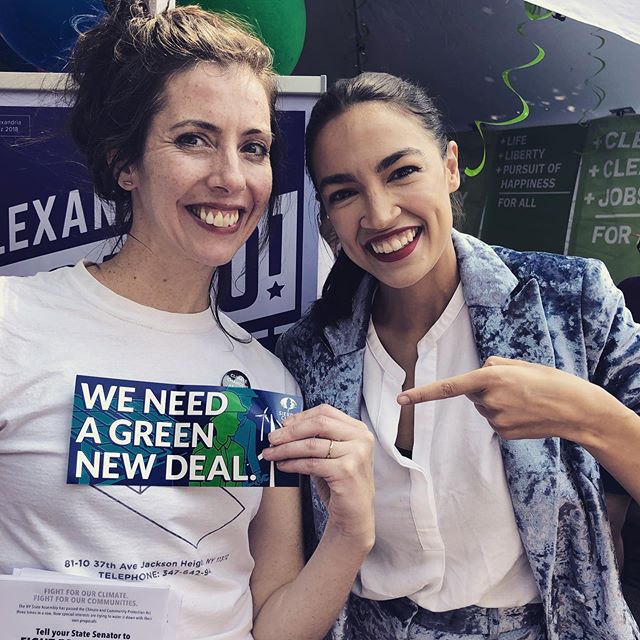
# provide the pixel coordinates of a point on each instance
(54, 326)
(445, 529)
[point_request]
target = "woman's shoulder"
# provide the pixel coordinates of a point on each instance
(545, 263)
(43, 283)
(36, 278)
(568, 285)
(488, 268)
(559, 272)
(297, 346)
(307, 329)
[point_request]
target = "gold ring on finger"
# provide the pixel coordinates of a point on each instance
(330, 450)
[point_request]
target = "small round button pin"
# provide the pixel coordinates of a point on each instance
(235, 378)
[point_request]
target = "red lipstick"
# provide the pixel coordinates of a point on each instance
(394, 256)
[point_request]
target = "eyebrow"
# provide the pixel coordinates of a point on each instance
(385, 163)
(390, 160)
(208, 126)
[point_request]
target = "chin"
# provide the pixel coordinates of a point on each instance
(402, 281)
(211, 262)
(219, 252)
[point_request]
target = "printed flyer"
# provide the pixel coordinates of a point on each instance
(135, 433)
(50, 606)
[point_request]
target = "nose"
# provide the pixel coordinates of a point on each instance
(227, 173)
(381, 212)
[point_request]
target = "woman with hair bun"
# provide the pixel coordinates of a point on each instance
(176, 115)
(489, 378)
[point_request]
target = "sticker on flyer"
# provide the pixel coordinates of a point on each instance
(135, 433)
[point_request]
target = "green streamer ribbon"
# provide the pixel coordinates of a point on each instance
(599, 92)
(534, 13)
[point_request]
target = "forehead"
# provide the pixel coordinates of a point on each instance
(367, 133)
(208, 91)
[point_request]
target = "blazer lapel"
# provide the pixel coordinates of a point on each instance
(347, 340)
(509, 321)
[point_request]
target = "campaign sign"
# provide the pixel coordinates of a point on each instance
(47, 203)
(606, 218)
(530, 190)
(135, 433)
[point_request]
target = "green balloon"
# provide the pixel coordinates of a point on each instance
(282, 24)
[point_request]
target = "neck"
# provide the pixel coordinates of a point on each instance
(412, 311)
(138, 274)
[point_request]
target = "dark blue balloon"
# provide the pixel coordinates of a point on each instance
(43, 32)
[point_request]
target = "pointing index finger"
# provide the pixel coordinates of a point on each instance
(463, 384)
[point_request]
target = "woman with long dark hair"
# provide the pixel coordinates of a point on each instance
(489, 377)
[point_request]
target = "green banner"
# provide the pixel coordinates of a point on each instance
(530, 190)
(607, 209)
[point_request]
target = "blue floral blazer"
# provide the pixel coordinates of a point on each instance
(558, 311)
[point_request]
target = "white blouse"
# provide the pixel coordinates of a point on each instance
(446, 534)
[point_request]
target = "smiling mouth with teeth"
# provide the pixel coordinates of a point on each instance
(393, 243)
(216, 217)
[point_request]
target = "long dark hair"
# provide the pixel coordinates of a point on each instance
(345, 276)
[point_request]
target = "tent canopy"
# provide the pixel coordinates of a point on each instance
(459, 50)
